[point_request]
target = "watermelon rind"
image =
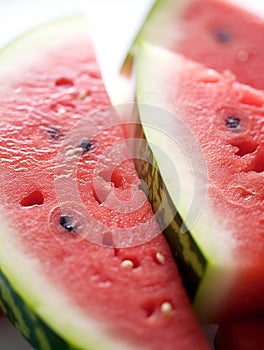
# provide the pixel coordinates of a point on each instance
(38, 334)
(39, 309)
(207, 265)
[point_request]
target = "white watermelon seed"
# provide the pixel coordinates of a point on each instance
(166, 308)
(127, 264)
(160, 258)
(62, 110)
(82, 94)
(71, 152)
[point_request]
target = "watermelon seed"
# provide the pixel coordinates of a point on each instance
(61, 111)
(127, 264)
(166, 308)
(160, 258)
(232, 122)
(72, 151)
(67, 223)
(33, 199)
(86, 144)
(53, 133)
(82, 94)
(223, 35)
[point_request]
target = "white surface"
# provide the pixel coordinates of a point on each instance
(113, 23)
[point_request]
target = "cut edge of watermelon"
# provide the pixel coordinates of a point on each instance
(14, 262)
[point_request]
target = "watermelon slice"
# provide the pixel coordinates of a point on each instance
(70, 278)
(205, 136)
(217, 33)
(240, 335)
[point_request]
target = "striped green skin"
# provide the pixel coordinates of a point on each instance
(189, 258)
(37, 332)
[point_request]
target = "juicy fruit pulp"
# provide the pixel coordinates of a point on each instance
(219, 121)
(59, 288)
(216, 33)
(240, 335)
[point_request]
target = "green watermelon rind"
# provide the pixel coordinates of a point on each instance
(191, 262)
(209, 267)
(41, 311)
(39, 335)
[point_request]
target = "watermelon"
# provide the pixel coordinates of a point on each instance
(240, 335)
(205, 152)
(217, 33)
(83, 264)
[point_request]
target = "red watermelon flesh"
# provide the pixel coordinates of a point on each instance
(50, 81)
(227, 120)
(240, 335)
(217, 33)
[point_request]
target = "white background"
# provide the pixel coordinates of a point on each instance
(113, 25)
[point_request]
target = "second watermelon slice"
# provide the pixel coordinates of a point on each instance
(217, 33)
(205, 135)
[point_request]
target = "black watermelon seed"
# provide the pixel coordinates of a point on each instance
(67, 223)
(223, 36)
(86, 144)
(53, 133)
(233, 122)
